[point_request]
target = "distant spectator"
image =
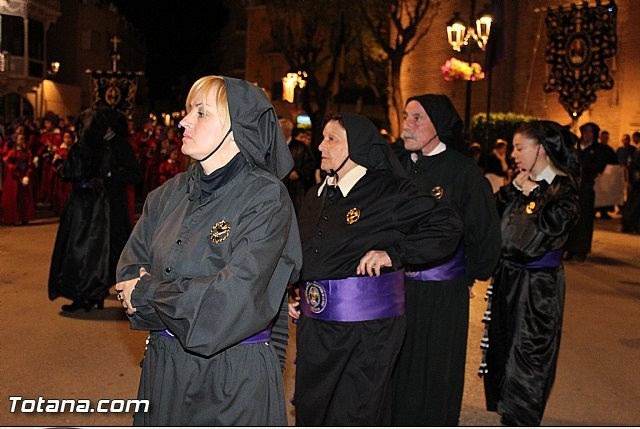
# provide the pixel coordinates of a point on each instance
(302, 174)
(497, 162)
(61, 188)
(594, 157)
(18, 206)
(169, 167)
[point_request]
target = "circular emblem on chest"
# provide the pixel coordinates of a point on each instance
(530, 207)
(353, 215)
(438, 192)
(220, 231)
(316, 296)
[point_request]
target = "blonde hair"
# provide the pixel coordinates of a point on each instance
(214, 84)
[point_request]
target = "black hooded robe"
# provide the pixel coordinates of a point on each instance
(219, 266)
(429, 377)
(94, 225)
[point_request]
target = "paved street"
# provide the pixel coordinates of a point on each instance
(95, 355)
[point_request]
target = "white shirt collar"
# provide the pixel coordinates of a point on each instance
(347, 182)
(548, 174)
(441, 147)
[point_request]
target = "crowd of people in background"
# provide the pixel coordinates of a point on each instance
(32, 153)
(595, 152)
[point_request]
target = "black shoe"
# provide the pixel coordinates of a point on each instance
(75, 305)
(86, 305)
(99, 303)
(580, 257)
(568, 256)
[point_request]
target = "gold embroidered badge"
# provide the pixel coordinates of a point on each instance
(438, 192)
(353, 216)
(220, 231)
(530, 207)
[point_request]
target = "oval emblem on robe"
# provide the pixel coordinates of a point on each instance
(316, 297)
(220, 231)
(438, 192)
(353, 216)
(530, 207)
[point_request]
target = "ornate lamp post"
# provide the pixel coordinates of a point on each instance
(461, 36)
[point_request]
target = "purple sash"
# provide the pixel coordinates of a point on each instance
(354, 299)
(450, 270)
(260, 337)
(551, 259)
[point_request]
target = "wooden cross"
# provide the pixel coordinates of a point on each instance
(115, 56)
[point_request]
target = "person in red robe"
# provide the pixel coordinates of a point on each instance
(169, 167)
(18, 206)
(50, 140)
(61, 188)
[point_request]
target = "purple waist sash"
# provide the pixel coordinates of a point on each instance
(450, 270)
(354, 299)
(260, 337)
(551, 259)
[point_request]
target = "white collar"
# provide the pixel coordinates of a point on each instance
(548, 174)
(347, 182)
(441, 147)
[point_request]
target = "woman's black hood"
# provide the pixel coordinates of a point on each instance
(559, 144)
(255, 128)
(367, 146)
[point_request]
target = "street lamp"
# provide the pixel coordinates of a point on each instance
(461, 36)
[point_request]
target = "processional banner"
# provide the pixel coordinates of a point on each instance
(116, 90)
(579, 40)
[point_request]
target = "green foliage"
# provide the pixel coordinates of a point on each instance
(501, 126)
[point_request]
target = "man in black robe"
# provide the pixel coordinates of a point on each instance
(358, 229)
(594, 157)
(429, 377)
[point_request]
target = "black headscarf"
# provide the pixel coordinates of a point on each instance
(256, 131)
(367, 146)
(255, 127)
(445, 118)
(558, 142)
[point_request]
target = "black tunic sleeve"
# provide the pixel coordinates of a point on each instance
(481, 228)
(432, 229)
(210, 313)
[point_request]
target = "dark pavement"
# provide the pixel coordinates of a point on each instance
(95, 355)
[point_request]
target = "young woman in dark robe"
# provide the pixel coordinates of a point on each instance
(207, 266)
(524, 316)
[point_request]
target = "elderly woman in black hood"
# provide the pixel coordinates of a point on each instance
(208, 263)
(524, 316)
(358, 229)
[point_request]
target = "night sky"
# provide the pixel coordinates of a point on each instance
(179, 36)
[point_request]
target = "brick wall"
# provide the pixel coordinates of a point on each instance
(518, 81)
